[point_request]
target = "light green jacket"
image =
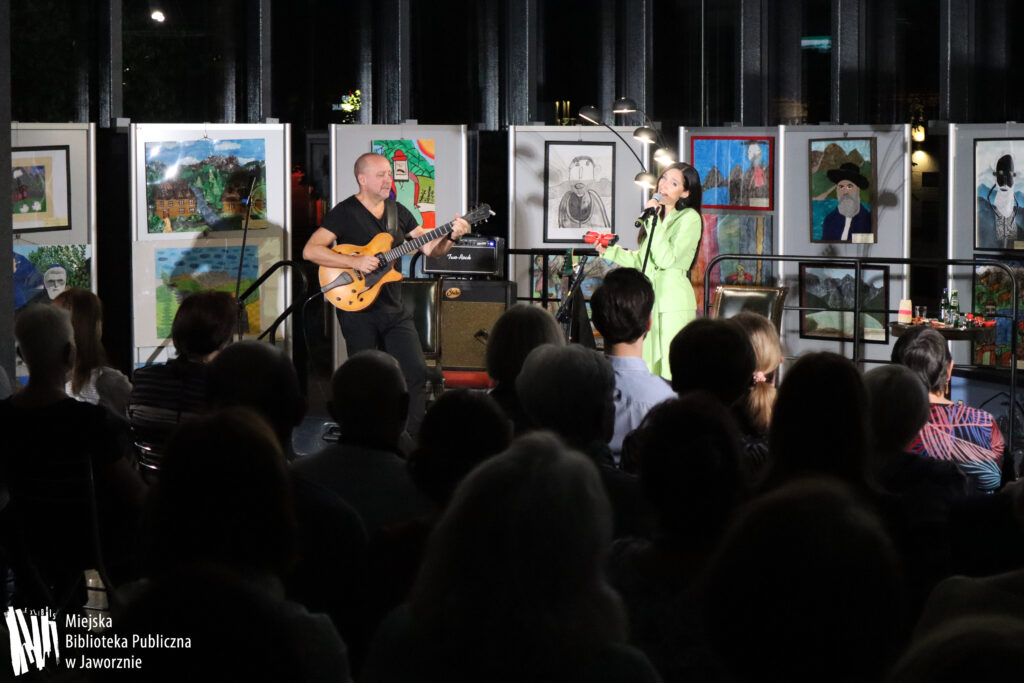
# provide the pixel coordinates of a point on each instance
(672, 251)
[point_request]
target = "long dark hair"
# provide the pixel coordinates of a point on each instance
(691, 183)
(87, 321)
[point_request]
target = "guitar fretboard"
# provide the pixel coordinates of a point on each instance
(412, 245)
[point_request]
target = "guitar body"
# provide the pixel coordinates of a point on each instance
(353, 290)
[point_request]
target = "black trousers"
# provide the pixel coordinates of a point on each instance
(392, 331)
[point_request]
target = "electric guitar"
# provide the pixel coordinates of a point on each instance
(352, 290)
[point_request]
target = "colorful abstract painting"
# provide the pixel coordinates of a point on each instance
(993, 296)
(733, 234)
(43, 272)
(200, 185)
(736, 172)
(182, 271)
(999, 195)
(832, 290)
(413, 167)
(40, 189)
(843, 185)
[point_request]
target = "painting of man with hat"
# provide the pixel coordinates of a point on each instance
(842, 168)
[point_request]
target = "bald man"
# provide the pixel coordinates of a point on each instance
(384, 324)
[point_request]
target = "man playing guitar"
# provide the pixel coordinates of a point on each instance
(384, 324)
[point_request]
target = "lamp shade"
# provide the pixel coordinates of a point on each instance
(624, 105)
(664, 155)
(917, 132)
(645, 135)
(646, 180)
(591, 114)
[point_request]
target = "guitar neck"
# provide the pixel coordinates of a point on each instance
(412, 245)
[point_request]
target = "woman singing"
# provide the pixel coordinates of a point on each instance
(673, 251)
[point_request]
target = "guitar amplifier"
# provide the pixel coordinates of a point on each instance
(469, 309)
(472, 255)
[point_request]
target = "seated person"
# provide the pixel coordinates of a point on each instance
(165, 394)
(92, 380)
(518, 331)
(512, 585)
(369, 402)
(966, 436)
(621, 308)
(754, 411)
(53, 446)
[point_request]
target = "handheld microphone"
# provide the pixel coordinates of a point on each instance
(650, 211)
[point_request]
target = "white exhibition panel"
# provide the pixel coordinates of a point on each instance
(527, 189)
(892, 213)
(166, 260)
(451, 161)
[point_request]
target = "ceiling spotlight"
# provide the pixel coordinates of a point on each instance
(157, 16)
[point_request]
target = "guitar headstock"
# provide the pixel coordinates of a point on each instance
(479, 214)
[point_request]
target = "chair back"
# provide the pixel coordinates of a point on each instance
(768, 301)
(421, 298)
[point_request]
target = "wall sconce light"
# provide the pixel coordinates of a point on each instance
(917, 131)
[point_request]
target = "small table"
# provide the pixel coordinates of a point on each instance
(981, 335)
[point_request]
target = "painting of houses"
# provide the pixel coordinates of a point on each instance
(200, 185)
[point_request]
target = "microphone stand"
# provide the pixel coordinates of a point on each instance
(566, 308)
(243, 321)
(650, 240)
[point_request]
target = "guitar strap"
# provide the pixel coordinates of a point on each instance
(391, 218)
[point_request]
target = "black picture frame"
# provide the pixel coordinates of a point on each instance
(821, 284)
(567, 220)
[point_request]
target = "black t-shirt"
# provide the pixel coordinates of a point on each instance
(352, 223)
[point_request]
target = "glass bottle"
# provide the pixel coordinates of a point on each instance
(944, 307)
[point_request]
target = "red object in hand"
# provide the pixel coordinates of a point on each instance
(605, 239)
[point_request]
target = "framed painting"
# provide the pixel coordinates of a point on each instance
(414, 175)
(579, 189)
(999, 194)
(40, 188)
(734, 234)
(831, 289)
(41, 272)
(843, 183)
(736, 171)
(993, 294)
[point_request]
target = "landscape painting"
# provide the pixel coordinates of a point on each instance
(579, 189)
(202, 185)
(413, 167)
(993, 296)
(999, 195)
(733, 234)
(843, 186)
(181, 271)
(832, 289)
(736, 172)
(41, 272)
(40, 189)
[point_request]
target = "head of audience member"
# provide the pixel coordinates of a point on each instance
(980, 649)
(369, 400)
(622, 306)
(262, 377)
(460, 430)
(46, 342)
(519, 330)
(87, 321)
(204, 324)
(222, 497)
(927, 354)
(756, 407)
(820, 422)
(714, 355)
(901, 342)
(805, 586)
(571, 391)
(694, 483)
(899, 406)
(512, 581)
(219, 612)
